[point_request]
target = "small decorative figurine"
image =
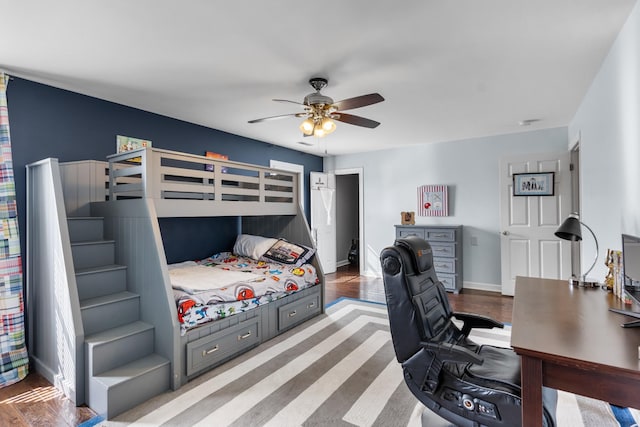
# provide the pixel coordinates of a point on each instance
(609, 278)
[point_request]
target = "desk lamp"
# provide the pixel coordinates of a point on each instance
(571, 230)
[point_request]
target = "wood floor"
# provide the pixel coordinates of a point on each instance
(35, 402)
(347, 282)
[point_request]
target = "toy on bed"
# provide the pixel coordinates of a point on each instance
(258, 271)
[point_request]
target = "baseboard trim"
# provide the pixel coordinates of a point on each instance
(63, 384)
(489, 287)
(342, 263)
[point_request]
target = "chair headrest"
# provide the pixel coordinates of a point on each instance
(419, 250)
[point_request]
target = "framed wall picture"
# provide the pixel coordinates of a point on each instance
(407, 218)
(533, 184)
(127, 143)
(433, 200)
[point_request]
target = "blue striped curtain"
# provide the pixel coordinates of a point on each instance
(14, 360)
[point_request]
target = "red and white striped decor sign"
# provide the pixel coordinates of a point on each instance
(433, 200)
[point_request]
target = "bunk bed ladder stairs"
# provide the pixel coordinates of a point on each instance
(121, 368)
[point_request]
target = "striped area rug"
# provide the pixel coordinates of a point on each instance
(338, 369)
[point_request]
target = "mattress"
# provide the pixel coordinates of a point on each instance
(226, 284)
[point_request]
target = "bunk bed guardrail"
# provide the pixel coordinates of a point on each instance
(191, 185)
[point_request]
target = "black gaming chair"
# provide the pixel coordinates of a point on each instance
(465, 383)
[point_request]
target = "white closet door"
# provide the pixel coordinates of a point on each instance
(323, 218)
(527, 242)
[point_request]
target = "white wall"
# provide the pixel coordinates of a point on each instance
(469, 167)
(608, 125)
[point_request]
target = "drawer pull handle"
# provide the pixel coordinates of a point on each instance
(293, 313)
(206, 352)
(313, 304)
(440, 235)
(442, 250)
(247, 335)
(441, 265)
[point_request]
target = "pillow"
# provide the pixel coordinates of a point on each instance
(288, 253)
(252, 246)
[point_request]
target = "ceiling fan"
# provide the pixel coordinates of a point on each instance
(320, 111)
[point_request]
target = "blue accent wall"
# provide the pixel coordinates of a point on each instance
(50, 122)
(196, 238)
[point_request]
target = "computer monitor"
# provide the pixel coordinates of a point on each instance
(631, 262)
(631, 275)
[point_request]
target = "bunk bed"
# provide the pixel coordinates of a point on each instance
(136, 194)
(149, 184)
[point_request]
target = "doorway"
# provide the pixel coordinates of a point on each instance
(349, 218)
(575, 205)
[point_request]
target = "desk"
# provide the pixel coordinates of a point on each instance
(569, 340)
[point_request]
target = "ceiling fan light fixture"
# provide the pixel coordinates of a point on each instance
(307, 127)
(328, 125)
(319, 132)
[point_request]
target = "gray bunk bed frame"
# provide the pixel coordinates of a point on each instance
(143, 186)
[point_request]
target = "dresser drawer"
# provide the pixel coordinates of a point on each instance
(446, 244)
(209, 350)
(440, 235)
(298, 311)
(444, 265)
(408, 231)
(448, 281)
(447, 250)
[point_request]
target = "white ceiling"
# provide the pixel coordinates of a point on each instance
(449, 69)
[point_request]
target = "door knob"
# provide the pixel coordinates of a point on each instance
(505, 233)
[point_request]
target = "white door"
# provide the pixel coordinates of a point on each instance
(527, 223)
(323, 218)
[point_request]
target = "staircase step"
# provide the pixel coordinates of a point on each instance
(122, 388)
(84, 229)
(103, 280)
(109, 349)
(93, 254)
(109, 311)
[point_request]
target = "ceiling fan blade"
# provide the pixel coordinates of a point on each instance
(283, 116)
(358, 101)
(286, 100)
(355, 120)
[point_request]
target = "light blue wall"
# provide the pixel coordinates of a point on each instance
(471, 170)
(608, 126)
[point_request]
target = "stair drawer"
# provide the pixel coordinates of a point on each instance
(214, 348)
(298, 311)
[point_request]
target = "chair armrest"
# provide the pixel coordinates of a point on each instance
(452, 353)
(476, 321)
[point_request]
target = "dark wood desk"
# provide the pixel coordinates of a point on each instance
(569, 340)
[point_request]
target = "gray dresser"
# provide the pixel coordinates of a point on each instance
(446, 243)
